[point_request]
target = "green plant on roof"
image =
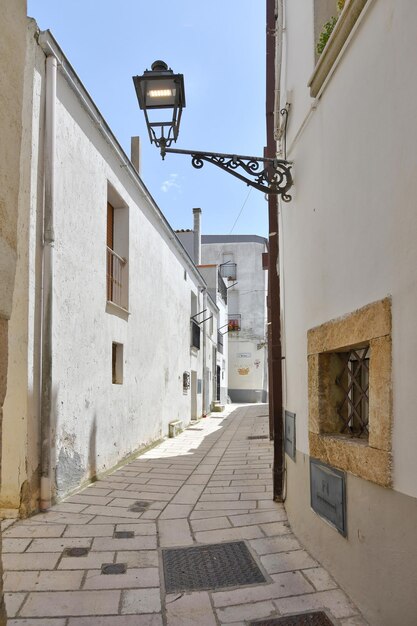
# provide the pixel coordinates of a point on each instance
(328, 27)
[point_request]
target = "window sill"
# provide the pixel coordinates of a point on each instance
(115, 309)
(352, 455)
(337, 40)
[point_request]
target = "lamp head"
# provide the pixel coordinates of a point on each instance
(159, 89)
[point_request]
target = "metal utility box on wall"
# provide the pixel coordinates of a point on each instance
(328, 494)
(290, 434)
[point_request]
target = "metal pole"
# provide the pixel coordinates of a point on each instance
(274, 305)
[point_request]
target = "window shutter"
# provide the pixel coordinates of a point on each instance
(110, 225)
(110, 241)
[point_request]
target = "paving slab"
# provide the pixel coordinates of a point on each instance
(210, 485)
(141, 601)
(43, 580)
(59, 603)
(287, 561)
(133, 578)
(190, 609)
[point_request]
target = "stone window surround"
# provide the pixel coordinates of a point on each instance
(341, 32)
(369, 459)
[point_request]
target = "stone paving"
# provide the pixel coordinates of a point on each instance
(209, 485)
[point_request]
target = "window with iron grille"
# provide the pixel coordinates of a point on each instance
(195, 335)
(221, 287)
(350, 392)
(353, 382)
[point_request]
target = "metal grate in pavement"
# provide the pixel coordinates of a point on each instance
(139, 506)
(258, 437)
(113, 568)
(316, 618)
(76, 551)
(210, 567)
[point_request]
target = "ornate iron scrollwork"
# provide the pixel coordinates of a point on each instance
(271, 176)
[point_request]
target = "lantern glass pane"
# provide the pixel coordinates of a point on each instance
(161, 93)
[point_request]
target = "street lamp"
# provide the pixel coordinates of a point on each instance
(159, 89)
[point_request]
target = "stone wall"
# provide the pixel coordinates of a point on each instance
(12, 60)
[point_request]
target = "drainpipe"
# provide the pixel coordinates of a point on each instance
(274, 304)
(47, 282)
(205, 382)
(197, 236)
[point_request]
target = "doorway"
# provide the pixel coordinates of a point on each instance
(194, 395)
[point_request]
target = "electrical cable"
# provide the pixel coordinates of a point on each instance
(240, 212)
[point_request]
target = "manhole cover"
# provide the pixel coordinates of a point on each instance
(210, 567)
(317, 618)
(124, 534)
(139, 506)
(75, 552)
(258, 437)
(113, 568)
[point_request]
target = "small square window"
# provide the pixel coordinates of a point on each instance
(350, 392)
(117, 363)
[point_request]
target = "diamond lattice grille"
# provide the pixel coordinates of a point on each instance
(354, 383)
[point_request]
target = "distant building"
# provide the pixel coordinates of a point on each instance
(215, 344)
(240, 261)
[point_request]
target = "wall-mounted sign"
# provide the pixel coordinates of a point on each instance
(244, 355)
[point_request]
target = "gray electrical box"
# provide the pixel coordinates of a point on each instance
(289, 438)
(328, 494)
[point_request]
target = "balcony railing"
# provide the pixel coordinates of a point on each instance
(234, 323)
(116, 279)
(228, 270)
(195, 335)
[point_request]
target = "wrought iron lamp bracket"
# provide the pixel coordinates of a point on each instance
(271, 176)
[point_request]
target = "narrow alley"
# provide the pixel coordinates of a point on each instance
(104, 556)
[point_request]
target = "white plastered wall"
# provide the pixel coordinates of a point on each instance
(349, 235)
(97, 423)
(247, 353)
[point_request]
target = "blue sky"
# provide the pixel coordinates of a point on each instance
(219, 46)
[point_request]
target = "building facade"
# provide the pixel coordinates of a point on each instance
(241, 265)
(103, 350)
(216, 351)
(348, 255)
(12, 65)
(215, 380)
